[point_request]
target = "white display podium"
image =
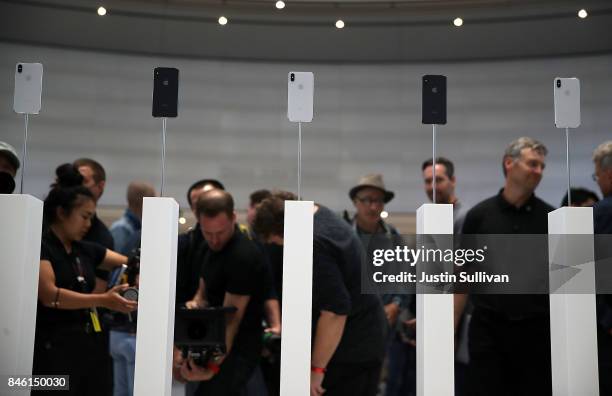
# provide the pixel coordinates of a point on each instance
(155, 334)
(20, 237)
(297, 299)
(435, 325)
(573, 319)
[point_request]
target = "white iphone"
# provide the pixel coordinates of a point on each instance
(28, 88)
(300, 96)
(567, 102)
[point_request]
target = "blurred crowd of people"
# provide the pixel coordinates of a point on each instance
(362, 344)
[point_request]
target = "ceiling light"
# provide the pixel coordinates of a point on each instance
(101, 11)
(280, 4)
(458, 22)
(583, 14)
(182, 220)
(339, 23)
(384, 214)
(222, 21)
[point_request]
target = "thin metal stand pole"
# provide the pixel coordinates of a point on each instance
(163, 167)
(567, 159)
(299, 189)
(24, 156)
(433, 166)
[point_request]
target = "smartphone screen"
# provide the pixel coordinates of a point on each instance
(28, 88)
(300, 96)
(434, 99)
(165, 92)
(567, 102)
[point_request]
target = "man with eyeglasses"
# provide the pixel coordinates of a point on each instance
(602, 221)
(369, 197)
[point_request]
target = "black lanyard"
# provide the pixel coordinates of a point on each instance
(80, 274)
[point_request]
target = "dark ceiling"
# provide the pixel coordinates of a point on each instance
(376, 31)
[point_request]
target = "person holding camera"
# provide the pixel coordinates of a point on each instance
(68, 332)
(232, 275)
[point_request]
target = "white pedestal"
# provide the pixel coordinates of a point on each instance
(573, 320)
(155, 334)
(435, 325)
(297, 299)
(19, 264)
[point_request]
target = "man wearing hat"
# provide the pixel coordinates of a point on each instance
(9, 164)
(369, 197)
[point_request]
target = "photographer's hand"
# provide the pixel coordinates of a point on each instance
(177, 363)
(192, 372)
(113, 301)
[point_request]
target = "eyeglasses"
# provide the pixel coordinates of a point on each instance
(595, 177)
(370, 201)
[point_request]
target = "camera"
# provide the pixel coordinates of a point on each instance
(292, 77)
(19, 68)
(200, 333)
(558, 83)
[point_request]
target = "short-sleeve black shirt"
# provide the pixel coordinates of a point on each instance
(495, 215)
(66, 269)
(336, 287)
(238, 269)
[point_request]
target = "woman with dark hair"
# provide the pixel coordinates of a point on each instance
(68, 333)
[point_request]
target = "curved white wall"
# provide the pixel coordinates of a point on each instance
(232, 123)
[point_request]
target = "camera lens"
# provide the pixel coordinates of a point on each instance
(292, 77)
(19, 68)
(558, 83)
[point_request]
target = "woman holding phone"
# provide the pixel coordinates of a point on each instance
(68, 333)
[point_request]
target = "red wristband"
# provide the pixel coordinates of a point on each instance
(215, 368)
(318, 370)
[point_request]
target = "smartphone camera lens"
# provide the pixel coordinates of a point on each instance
(19, 68)
(292, 77)
(558, 83)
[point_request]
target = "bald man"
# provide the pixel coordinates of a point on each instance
(130, 223)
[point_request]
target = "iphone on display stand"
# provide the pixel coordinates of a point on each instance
(28, 88)
(566, 93)
(26, 101)
(300, 96)
(434, 99)
(165, 92)
(567, 102)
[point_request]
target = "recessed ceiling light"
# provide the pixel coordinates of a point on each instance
(339, 23)
(182, 220)
(280, 4)
(384, 214)
(583, 13)
(222, 21)
(458, 22)
(101, 11)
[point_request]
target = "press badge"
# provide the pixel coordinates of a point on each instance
(93, 313)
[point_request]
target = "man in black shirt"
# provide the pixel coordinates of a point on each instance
(602, 219)
(232, 275)
(349, 328)
(192, 247)
(509, 335)
(94, 178)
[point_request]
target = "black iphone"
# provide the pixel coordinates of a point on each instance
(434, 99)
(165, 92)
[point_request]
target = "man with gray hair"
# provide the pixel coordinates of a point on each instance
(509, 335)
(602, 221)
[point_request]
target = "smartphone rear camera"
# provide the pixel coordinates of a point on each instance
(292, 77)
(558, 83)
(19, 68)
